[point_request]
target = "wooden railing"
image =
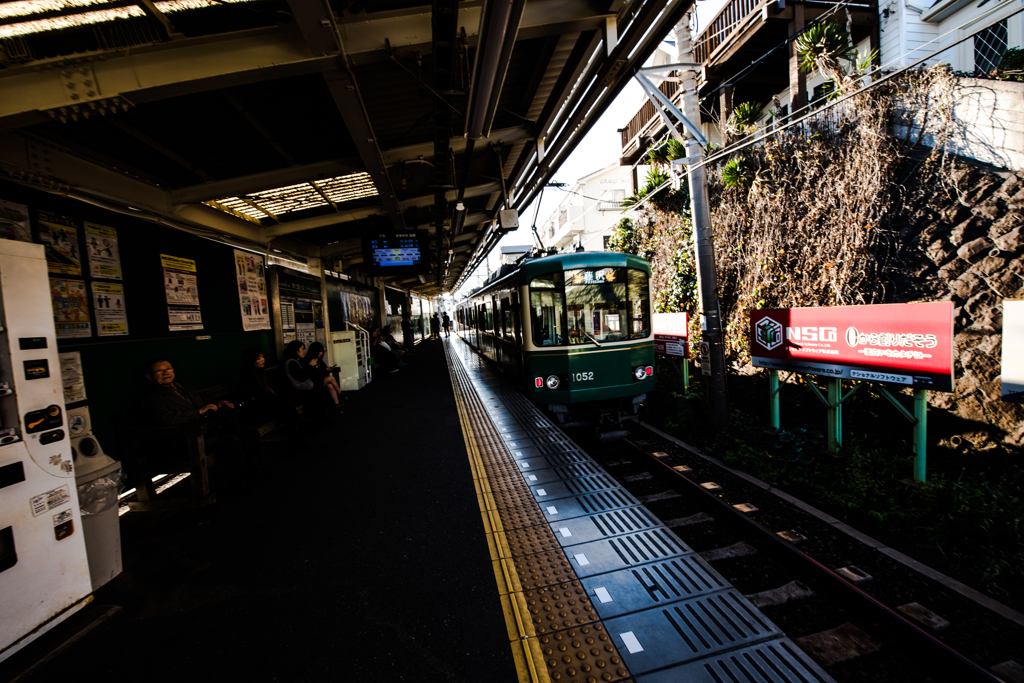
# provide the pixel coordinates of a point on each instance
(724, 23)
(647, 113)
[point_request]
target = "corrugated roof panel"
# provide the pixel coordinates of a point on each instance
(70, 21)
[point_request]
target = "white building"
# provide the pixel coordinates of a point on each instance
(591, 209)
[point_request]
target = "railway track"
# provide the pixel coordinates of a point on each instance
(860, 614)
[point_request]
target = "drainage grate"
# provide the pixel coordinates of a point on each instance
(543, 462)
(564, 473)
(778, 660)
(599, 557)
(604, 525)
(650, 585)
(588, 504)
(573, 487)
(689, 630)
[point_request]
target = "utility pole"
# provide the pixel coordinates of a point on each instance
(712, 336)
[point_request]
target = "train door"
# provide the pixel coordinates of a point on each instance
(517, 336)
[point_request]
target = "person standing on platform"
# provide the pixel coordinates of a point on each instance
(435, 326)
(446, 323)
(408, 336)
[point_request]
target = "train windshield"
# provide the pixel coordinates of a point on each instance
(598, 304)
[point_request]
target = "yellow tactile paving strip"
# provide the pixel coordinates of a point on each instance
(554, 631)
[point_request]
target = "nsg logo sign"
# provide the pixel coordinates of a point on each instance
(768, 333)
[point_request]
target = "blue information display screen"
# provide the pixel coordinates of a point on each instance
(398, 250)
(399, 253)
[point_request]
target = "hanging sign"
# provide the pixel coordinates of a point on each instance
(181, 286)
(108, 303)
(70, 308)
(101, 246)
(1013, 350)
(252, 291)
(905, 344)
(670, 335)
(60, 236)
(14, 223)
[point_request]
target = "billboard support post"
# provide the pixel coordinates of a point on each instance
(920, 421)
(920, 434)
(835, 415)
(773, 394)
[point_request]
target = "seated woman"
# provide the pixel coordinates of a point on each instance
(319, 373)
(381, 352)
(388, 338)
(295, 383)
(258, 401)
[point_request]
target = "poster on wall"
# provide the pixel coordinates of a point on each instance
(355, 308)
(181, 287)
(904, 344)
(252, 291)
(287, 321)
(60, 236)
(305, 327)
(318, 321)
(1013, 350)
(111, 315)
(101, 247)
(71, 376)
(70, 308)
(14, 223)
(671, 334)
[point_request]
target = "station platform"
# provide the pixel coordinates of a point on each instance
(441, 530)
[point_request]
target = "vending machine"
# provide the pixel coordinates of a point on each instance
(44, 570)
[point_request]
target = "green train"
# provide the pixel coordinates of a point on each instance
(571, 330)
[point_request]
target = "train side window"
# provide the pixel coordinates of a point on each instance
(639, 305)
(506, 317)
(547, 309)
(516, 325)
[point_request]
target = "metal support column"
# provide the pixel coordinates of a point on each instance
(773, 398)
(835, 415)
(920, 435)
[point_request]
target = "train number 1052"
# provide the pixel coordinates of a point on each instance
(582, 376)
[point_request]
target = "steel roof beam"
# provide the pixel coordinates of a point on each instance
(327, 220)
(316, 22)
(269, 180)
(410, 30)
(146, 74)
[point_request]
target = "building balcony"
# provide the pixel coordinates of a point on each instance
(565, 227)
(744, 53)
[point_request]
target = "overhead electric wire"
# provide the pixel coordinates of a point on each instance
(873, 84)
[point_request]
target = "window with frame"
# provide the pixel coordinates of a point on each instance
(506, 317)
(547, 309)
(989, 46)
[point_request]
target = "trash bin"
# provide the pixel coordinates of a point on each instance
(99, 482)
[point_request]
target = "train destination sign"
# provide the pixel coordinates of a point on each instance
(670, 335)
(905, 344)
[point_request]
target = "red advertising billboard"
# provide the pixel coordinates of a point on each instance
(906, 344)
(670, 335)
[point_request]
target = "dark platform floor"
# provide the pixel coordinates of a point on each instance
(362, 560)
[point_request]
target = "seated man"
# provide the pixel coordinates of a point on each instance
(167, 404)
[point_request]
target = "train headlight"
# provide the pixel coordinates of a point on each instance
(640, 372)
(553, 382)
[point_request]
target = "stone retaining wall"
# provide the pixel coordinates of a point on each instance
(972, 253)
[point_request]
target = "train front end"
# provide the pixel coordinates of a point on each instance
(588, 340)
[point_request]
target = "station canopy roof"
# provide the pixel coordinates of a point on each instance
(298, 126)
